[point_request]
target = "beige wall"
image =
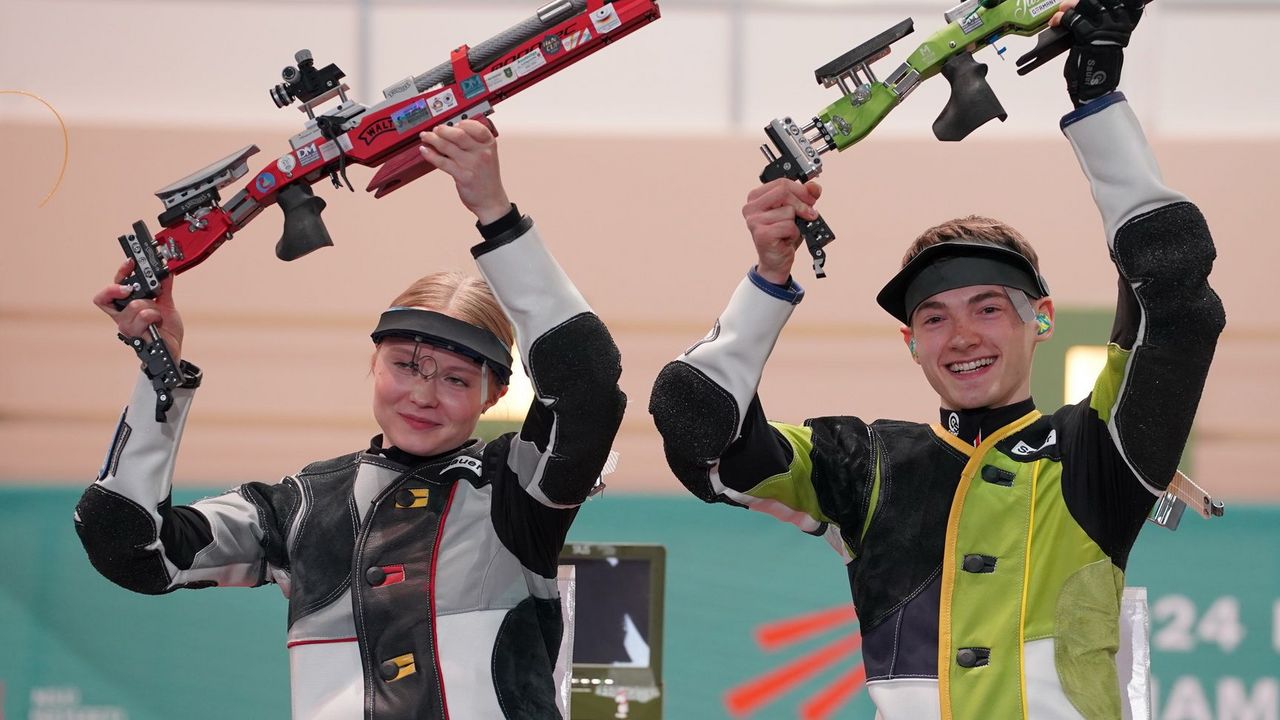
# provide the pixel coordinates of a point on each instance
(650, 230)
(634, 162)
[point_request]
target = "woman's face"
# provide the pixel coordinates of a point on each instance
(427, 400)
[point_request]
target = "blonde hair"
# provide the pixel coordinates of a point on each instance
(974, 228)
(466, 298)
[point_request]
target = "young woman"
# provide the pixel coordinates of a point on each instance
(421, 571)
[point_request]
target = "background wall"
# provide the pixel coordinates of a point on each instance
(634, 163)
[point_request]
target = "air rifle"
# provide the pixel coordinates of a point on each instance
(195, 221)
(866, 100)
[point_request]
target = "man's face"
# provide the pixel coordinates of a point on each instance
(974, 349)
(427, 400)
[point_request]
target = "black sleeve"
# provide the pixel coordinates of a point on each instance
(533, 532)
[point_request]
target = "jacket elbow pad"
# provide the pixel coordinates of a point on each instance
(697, 420)
(116, 533)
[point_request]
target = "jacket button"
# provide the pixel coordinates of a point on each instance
(979, 564)
(404, 498)
(375, 575)
(996, 476)
(973, 657)
(389, 670)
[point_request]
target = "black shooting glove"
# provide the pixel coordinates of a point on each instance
(1100, 31)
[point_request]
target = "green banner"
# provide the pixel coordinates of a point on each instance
(757, 621)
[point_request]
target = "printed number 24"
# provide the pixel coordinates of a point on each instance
(1220, 624)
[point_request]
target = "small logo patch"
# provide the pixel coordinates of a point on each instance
(472, 86)
(605, 19)
(501, 76)
(411, 498)
(286, 164)
(1040, 8)
(376, 128)
(265, 182)
(953, 423)
(470, 463)
(1024, 449)
(308, 154)
(574, 39)
(443, 102)
(529, 62)
(711, 336)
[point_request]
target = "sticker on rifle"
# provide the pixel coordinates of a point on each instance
(550, 44)
(308, 154)
(1041, 8)
(529, 62)
(472, 86)
(265, 182)
(972, 22)
(344, 142)
(575, 39)
(605, 19)
(329, 150)
(286, 164)
(502, 76)
(443, 102)
(411, 115)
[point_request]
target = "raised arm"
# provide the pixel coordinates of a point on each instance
(716, 436)
(1167, 317)
(125, 519)
(555, 461)
(570, 358)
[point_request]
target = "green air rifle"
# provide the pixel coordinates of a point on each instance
(971, 26)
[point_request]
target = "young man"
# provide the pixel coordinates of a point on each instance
(985, 553)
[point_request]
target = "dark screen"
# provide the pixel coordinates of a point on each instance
(611, 591)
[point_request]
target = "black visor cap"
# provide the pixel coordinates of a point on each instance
(950, 265)
(442, 331)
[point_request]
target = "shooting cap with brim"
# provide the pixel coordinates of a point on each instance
(452, 334)
(950, 265)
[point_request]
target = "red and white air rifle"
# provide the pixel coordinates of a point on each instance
(196, 221)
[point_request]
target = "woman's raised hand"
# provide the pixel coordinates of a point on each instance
(468, 152)
(137, 315)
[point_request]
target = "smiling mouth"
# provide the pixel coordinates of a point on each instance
(418, 423)
(964, 368)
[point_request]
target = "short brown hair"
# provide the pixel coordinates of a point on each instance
(974, 228)
(466, 298)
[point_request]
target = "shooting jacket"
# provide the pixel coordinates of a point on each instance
(987, 580)
(418, 587)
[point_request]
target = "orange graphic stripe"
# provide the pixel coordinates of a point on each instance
(764, 689)
(834, 696)
(777, 635)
